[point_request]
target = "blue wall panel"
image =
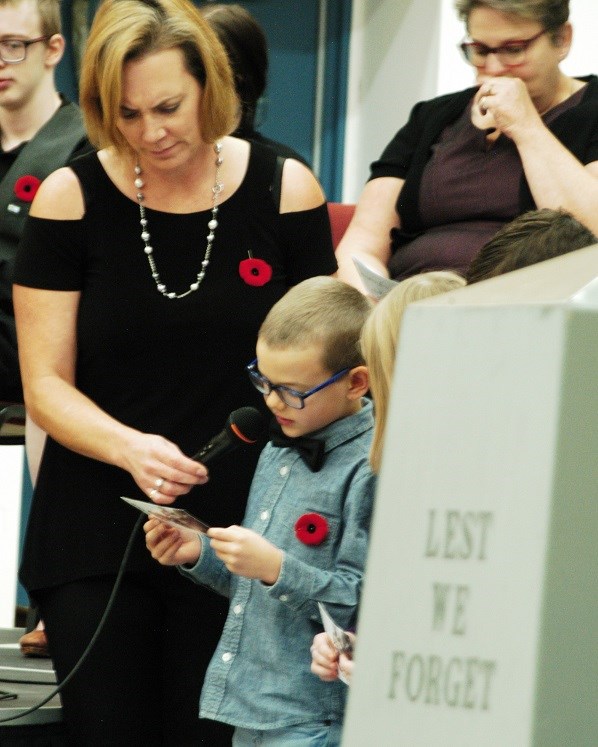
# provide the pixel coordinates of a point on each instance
(291, 28)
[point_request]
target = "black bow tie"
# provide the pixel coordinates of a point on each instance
(311, 450)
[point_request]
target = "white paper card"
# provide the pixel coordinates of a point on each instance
(176, 517)
(376, 285)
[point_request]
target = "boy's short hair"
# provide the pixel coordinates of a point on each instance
(320, 310)
(532, 237)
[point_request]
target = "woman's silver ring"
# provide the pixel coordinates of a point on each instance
(153, 493)
(159, 482)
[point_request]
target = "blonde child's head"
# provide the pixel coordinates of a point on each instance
(380, 337)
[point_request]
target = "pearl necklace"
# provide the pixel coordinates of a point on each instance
(212, 225)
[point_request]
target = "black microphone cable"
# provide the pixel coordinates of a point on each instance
(94, 637)
(243, 427)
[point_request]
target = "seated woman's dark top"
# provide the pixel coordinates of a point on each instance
(459, 188)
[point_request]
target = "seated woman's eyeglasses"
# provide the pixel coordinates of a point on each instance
(290, 397)
(15, 50)
(510, 54)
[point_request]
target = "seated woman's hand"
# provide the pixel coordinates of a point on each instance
(503, 103)
(170, 545)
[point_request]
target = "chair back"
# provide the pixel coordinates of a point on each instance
(340, 214)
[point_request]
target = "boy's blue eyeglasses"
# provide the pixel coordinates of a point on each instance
(290, 397)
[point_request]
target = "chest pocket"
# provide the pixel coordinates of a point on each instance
(312, 539)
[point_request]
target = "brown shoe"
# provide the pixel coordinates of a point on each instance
(34, 643)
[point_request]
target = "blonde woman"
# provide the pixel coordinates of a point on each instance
(143, 277)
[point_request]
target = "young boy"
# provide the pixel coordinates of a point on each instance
(305, 532)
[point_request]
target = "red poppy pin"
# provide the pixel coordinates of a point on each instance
(26, 186)
(255, 271)
(311, 529)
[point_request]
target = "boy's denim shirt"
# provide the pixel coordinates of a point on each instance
(259, 676)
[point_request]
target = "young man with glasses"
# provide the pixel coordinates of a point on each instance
(305, 532)
(39, 132)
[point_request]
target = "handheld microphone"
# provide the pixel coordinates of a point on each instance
(243, 428)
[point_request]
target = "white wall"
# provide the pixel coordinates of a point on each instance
(403, 51)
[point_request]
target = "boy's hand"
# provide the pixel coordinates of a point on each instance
(327, 663)
(246, 553)
(324, 658)
(170, 545)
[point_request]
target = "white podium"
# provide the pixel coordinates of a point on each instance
(479, 618)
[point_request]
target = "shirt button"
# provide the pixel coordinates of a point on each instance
(237, 609)
(284, 471)
(264, 515)
(227, 656)
(284, 597)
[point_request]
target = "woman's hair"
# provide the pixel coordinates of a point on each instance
(550, 14)
(125, 30)
(532, 237)
(247, 49)
(49, 14)
(380, 337)
(320, 310)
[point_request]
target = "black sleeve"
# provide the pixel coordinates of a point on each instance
(306, 244)
(577, 127)
(50, 255)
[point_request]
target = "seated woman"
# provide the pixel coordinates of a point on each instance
(467, 163)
